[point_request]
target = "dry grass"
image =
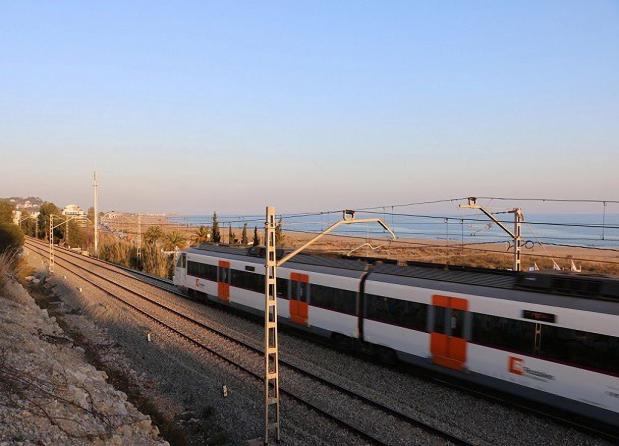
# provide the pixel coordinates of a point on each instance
(9, 260)
(494, 255)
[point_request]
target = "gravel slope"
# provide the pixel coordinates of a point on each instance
(49, 393)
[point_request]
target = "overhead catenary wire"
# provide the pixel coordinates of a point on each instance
(550, 200)
(430, 245)
(420, 221)
(419, 216)
(540, 223)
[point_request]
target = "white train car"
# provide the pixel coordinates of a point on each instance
(548, 338)
(493, 330)
(230, 276)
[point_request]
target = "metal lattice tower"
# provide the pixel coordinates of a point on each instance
(271, 352)
(516, 235)
(51, 243)
(518, 217)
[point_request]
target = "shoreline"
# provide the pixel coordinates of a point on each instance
(482, 254)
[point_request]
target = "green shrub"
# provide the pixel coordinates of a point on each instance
(11, 237)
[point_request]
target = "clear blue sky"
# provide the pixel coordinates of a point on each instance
(188, 106)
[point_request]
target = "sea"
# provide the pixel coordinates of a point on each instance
(571, 229)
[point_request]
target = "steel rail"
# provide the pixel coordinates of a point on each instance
(377, 405)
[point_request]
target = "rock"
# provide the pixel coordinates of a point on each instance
(35, 349)
(187, 415)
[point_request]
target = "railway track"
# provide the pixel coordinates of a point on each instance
(185, 326)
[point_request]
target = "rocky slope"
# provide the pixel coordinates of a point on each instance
(49, 393)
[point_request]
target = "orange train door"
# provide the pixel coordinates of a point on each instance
(447, 339)
(223, 281)
(299, 298)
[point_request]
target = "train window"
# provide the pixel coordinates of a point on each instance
(580, 348)
(237, 279)
(457, 323)
(335, 299)
(202, 270)
(303, 291)
(210, 272)
(193, 269)
(439, 320)
(400, 312)
(224, 274)
(179, 262)
(282, 288)
(299, 290)
(247, 281)
(503, 333)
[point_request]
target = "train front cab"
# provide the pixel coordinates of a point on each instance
(180, 271)
(450, 324)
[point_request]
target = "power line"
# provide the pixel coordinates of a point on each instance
(576, 225)
(556, 200)
(458, 246)
(417, 203)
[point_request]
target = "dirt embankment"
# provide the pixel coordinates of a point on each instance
(49, 393)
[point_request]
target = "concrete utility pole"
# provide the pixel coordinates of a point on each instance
(271, 348)
(140, 236)
(516, 235)
(96, 216)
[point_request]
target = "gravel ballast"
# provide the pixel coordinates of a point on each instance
(478, 420)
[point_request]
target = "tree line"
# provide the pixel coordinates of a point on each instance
(153, 254)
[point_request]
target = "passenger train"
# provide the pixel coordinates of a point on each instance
(550, 338)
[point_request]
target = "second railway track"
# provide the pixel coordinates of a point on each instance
(307, 388)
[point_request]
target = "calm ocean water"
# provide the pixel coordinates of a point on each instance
(569, 229)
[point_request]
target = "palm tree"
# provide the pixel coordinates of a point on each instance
(173, 239)
(201, 235)
(153, 234)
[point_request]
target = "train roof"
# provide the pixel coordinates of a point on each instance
(576, 285)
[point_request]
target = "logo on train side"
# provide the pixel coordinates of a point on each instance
(516, 366)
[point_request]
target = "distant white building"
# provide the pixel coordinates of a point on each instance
(73, 210)
(25, 205)
(16, 217)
